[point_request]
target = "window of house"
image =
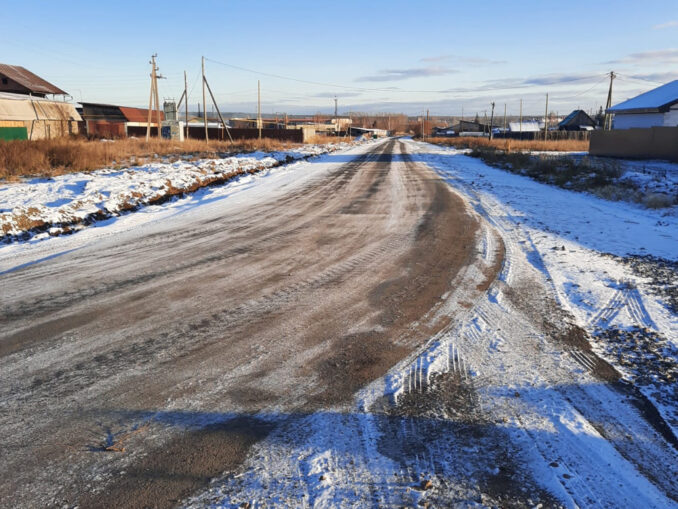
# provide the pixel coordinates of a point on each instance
(4, 81)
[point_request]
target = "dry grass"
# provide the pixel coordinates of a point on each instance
(509, 145)
(65, 155)
(322, 139)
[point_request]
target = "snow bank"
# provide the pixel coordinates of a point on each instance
(61, 204)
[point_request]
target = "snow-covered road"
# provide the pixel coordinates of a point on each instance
(390, 325)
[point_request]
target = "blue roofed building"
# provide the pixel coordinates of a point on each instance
(656, 108)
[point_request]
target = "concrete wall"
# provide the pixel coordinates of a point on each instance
(651, 143)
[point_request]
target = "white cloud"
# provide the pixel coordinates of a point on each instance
(405, 74)
(668, 24)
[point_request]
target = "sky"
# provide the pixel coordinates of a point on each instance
(374, 56)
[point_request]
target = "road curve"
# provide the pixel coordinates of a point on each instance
(290, 304)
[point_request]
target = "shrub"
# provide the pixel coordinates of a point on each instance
(658, 200)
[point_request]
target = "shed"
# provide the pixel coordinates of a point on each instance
(578, 120)
(19, 80)
(32, 118)
(110, 120)
(655, 108)
(530, 126)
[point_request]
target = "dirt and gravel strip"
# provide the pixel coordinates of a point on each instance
(290, 304)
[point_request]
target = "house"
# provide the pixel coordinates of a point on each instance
(19, 80)
(578, 120)
(443, 131)
(656, 108)
(530, 126)
(26, 117)
(26, 113)
(112, 121)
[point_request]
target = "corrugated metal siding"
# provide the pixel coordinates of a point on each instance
(106, 129)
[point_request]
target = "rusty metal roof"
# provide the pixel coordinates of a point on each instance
(27, 79)
(140, 114)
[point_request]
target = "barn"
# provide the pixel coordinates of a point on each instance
(578, 120)
(112, 121)
(25, 111)
(656, 108)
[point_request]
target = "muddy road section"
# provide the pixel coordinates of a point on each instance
(133, 369)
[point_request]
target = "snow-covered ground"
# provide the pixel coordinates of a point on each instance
(542, 408)
(67, 202)
(568, 236)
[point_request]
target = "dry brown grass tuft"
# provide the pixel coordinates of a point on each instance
(509, 145)
(321, 139)
(65, 155)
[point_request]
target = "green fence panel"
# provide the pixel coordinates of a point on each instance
(13, 133)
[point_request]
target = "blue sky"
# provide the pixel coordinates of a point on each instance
(391, 56)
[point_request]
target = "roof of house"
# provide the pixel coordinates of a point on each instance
(659, 99)
(578, 118)
(140, 114)
(27, 79)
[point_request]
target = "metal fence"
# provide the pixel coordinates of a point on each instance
(636, 143)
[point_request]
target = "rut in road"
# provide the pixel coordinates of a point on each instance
(292, 301)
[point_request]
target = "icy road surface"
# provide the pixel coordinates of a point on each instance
(390, 325)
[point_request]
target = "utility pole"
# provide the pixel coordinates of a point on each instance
(521, 119)
(427, 125)
(607, 123)
(504, 119)
(204, 101)
(259, 106)
(492, 119)
(215, 105)
(153, 97)
(546, 112)
(150, 98)
(186, 102)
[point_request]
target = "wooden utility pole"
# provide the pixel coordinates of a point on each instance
(521, 119)
(215, 105)
(186, 102)
(427, 125)
(259, 107)
(204, 100)
(546, 112)
(504, 119)
(607, 123)
(492, 119)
